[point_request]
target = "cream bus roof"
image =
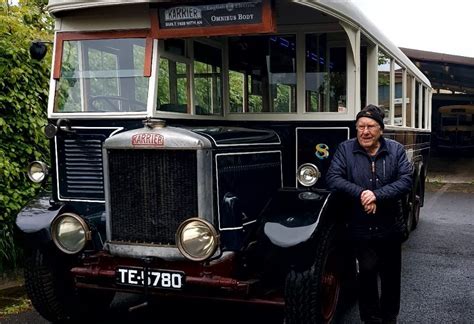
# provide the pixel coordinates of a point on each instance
(457, 109)
(57, 6)
(343, 10)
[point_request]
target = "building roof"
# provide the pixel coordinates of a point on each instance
(445, 71)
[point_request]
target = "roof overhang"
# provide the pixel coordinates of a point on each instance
(445, 71)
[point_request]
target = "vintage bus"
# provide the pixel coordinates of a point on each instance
(456, 128)
(189, 146)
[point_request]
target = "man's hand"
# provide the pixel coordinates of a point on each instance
(367, 197)
(371, 208)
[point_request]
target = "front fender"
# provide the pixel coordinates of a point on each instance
(34, 221)
(36, 217)
(293, 215)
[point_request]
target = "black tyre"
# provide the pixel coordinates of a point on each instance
(51, 289)
(311, 295)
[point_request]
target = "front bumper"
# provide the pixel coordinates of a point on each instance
(204, 280)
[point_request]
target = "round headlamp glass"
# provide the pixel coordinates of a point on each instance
(308, 174)
(197, 239)
(70, 233)
(37, 171)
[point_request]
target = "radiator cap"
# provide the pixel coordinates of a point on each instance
(154, 123)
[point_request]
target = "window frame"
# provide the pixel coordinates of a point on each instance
(153, 52)
(220, 47)
(62, 37)
(300, 113)
(331, 44)
(424, 96)
(177, 58)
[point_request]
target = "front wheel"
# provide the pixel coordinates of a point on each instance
(311, 295)
(50, 287)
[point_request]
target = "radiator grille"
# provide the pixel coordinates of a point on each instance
(80, 167)
(151, 193)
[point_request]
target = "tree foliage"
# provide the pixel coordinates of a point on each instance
(23, 98)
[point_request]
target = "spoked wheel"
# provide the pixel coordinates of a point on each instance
(330, 287)
(311, 295)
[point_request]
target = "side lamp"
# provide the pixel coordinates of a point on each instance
(38, 49)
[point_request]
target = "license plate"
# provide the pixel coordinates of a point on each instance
(154, 278)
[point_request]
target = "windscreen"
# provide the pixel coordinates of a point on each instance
(102, 76)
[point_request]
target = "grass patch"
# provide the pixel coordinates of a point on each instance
(11, 306)
(453, 187)
(433, 186)
(13, 297)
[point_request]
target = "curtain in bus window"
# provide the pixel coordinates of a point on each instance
(207, 79)
(326, 73)
(173, 86)
(262, 76)
(102, 76)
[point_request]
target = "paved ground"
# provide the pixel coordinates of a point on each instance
(438, 262)
(438, 269)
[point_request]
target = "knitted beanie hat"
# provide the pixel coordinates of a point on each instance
(374, 112)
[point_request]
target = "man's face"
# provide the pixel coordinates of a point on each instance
(368, 133)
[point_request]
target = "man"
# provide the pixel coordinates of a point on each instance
(374, 174)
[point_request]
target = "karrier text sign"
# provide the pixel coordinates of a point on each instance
(221, 18)
(221, 14)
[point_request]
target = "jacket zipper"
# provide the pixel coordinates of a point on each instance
(384, 168)
(374, 177)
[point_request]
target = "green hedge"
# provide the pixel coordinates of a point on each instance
(23, 111)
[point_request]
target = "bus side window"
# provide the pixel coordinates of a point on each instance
(207, 79)
(262, 75)
(398, 104)
(326, 73)
(384, 84)
(173, 86)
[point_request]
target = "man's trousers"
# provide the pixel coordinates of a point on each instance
(379, 259)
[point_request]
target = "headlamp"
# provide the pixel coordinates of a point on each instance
(37, 171)
(308, 174)
(197, 239)
(70, 233)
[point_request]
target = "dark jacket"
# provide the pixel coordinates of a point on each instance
(388, 174)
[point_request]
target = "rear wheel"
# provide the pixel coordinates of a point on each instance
(50, 287)
(311, 295)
